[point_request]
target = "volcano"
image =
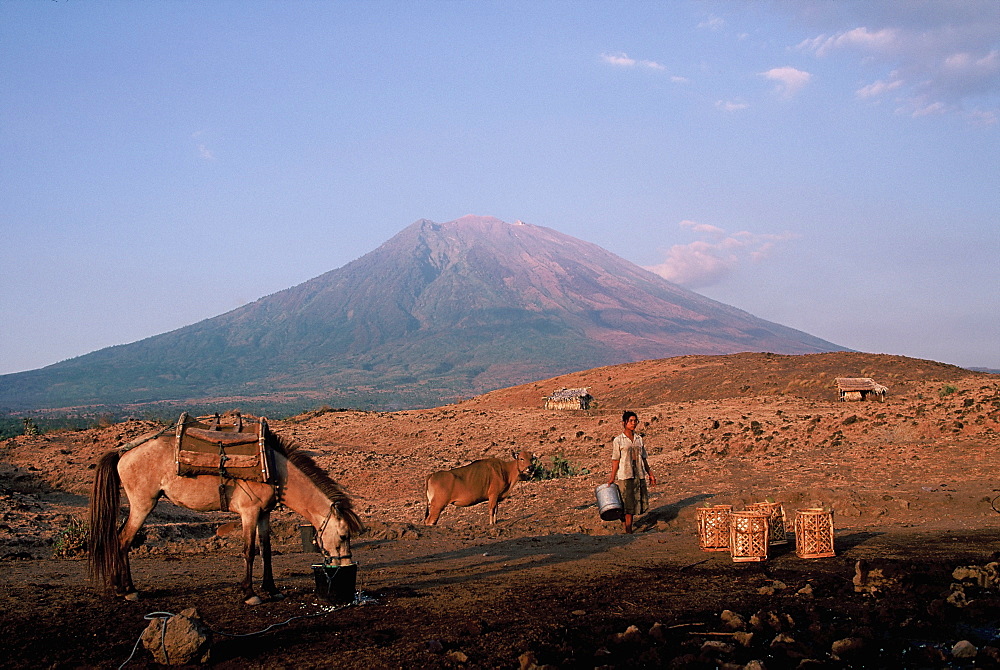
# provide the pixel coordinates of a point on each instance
(439, 312)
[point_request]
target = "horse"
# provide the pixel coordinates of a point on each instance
(147, 470)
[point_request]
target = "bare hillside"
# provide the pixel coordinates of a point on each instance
(912, 482)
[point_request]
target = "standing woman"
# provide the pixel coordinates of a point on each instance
(630, 469)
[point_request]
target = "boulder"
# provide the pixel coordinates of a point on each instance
(180, 639)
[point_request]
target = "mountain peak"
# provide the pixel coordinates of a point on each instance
(436, 313)
(473, 219)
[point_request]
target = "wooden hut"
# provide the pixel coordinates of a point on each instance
(860, 388)
(566, 398)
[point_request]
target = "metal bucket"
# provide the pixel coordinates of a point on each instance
(336, 583)
(609, 502)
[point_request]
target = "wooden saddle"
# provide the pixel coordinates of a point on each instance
(235, 450)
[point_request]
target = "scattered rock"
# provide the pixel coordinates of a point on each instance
(767, 620)
(631, 634)
(847, 648)
(528, 661)
(964, 649)
(873, 580)
(732, 620)
(716, 647)
(987, 576)
(787, 644)
(957, 596)
(782, 639)
(180, 639)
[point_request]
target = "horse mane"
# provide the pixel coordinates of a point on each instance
(331, 489)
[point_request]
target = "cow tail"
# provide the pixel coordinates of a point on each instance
(106, 561)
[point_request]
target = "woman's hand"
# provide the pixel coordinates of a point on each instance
(652, 479)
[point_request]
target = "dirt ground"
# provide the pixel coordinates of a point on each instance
(911, 482)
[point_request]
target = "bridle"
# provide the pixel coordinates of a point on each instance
(327, 556)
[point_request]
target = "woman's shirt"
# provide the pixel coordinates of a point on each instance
(630, 455)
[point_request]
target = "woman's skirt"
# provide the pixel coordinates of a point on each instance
(635, 495)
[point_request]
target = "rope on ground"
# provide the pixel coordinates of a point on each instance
(993, 504)
(148, 617)
(359, 599)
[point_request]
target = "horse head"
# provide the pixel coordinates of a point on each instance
(334, 534)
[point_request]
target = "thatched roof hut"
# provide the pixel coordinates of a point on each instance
(859, 388)
(566, 398)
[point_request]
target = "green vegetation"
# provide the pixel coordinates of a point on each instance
(29, 426)
(71, 542)
(947, 390)
(561, 468)
(12, 425)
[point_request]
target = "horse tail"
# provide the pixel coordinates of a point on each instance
(106, 561)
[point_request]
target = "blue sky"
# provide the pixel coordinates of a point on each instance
(831, 166)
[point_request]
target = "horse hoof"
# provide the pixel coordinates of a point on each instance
(277, 596)
(256, 600)
(133, 596)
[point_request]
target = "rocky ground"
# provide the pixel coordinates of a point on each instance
(911, 482)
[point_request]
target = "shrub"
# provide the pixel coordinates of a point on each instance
(71, 541)
(561, 468)
(946, 390)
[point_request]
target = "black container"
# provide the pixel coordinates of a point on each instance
(336, 583)
(308, 535)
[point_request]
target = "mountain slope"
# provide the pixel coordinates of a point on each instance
(438, 312)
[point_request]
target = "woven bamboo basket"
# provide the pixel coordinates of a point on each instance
(749, 535)
(814, 533)
(776, 516)
(713, 527)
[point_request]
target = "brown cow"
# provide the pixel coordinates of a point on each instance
(489, 479)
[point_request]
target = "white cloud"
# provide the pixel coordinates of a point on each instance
(885, 40)
(712, 23)
(203, 151)
(704, 228)
(620, 59)
(930, 109)
(623, 60)
(937, 58)
(789, 79)
(879, 88)
(983, 117)
(731, 105)
(715, 255)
